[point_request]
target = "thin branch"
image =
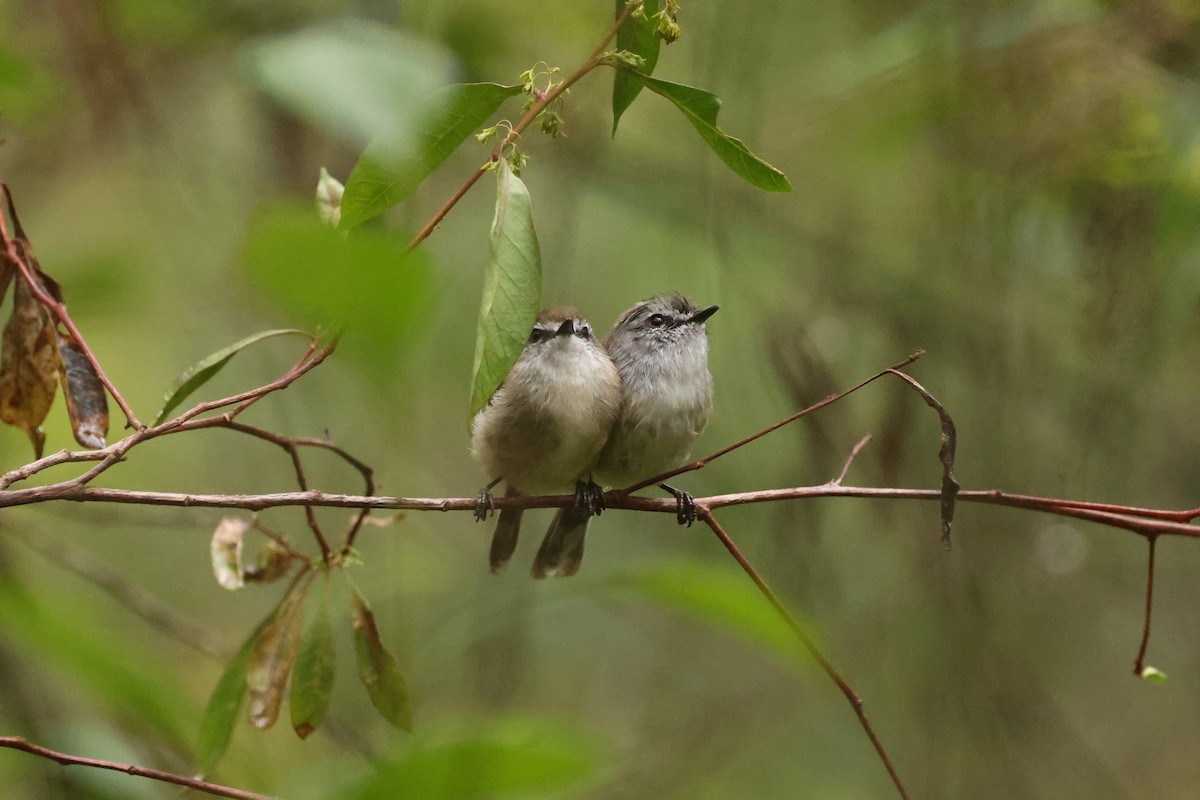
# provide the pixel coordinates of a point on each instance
(858, 448)
(58, 308)
(851, 696)
(115, 452)
(833, 398)
(289, 446)
(592, 61)
(67, 760)
(1139, 664)
(1129, 520)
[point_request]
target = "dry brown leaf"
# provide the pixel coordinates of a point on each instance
(28, 366)
(274, 654)
(87, 404)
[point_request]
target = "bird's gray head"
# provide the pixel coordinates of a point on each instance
(560, 321)
(668, 322)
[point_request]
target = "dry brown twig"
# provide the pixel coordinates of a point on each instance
(67, 760)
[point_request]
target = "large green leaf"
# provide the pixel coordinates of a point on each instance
(720, 598)
(377, 668)
(355, 79)
(203, 370)
(365, 282)
(383, 177)
(701, 109)
(312, 677)
(488, 760)
(512, 288)
(637, 36)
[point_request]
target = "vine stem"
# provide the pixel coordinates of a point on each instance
(846, 689)
(67, 760)
(592, 61)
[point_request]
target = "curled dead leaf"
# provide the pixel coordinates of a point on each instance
(226, 551)
(87, 404)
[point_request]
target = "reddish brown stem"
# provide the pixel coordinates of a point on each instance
(1139, 664)
(809, 645)
(59, 310)
(515, 131)
(833, 398)
(67, 760)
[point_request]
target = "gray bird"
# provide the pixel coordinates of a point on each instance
(543, 429)
(660, 349)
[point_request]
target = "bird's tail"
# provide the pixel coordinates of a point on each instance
(561, 552)
(504, 538)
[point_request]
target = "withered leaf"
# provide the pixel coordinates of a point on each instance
(87, 404)
(28, 365)
(226, 552)
(274, 562)
(274, 654)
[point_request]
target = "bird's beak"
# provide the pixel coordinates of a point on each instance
(566, 329)
(703, 314)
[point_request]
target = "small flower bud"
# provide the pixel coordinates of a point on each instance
(329, 198)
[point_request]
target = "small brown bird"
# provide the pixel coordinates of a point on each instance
(543, 429)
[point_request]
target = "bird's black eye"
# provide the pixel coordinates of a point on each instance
(583, 331)
(657, 320)
(539, 335)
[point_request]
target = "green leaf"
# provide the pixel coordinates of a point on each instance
(203, 370)
(225, 703)
(491, 759)
(274, 653)
(719, 598)
(355, 79)
(365, 282)
(636, 36)
(701, 108)
(312, 677)
(377, 668)
(379, 182)
(512, 288)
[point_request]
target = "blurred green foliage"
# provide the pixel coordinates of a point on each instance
(1013, 185)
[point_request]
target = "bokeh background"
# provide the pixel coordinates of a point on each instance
(1012, 185)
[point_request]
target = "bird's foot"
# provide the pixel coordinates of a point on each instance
(685, 505)
(589, 495)
(484, 505)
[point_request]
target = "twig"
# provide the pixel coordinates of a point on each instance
(851, 696)
(116, 451)
(593, 61)
(1139, 664)
(289, 446)
(702, 462)
(67, 760)
(858, 448)
(58, 308)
